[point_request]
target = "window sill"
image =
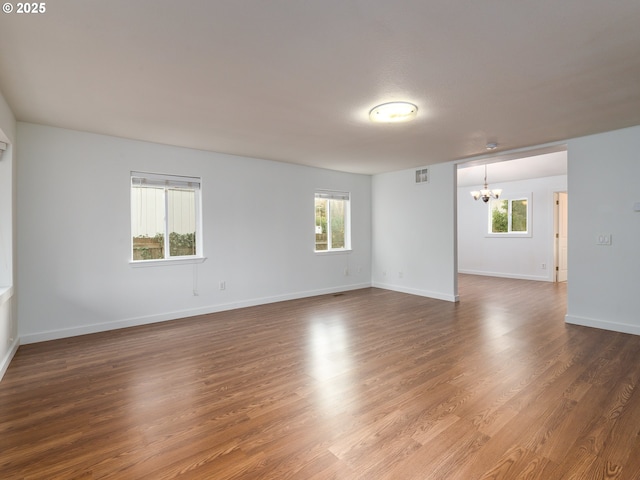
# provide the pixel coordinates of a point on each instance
(167, 262)
(508, 235)
(332, 252)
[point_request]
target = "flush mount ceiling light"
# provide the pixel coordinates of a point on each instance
(491, 146)
(393, 112)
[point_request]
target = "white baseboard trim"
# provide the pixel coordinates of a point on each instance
(163, 317)
(415, 291)
(515, 276)
(602, 324)
(8, 357)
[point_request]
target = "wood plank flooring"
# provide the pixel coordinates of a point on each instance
(369, 384)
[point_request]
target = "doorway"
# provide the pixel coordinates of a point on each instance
(539, 176)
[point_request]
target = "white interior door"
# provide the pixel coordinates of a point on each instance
(561, 236)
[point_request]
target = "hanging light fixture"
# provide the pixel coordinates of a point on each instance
(485, 194)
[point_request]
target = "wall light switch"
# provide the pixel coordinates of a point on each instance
(603, 239)
(636, 207)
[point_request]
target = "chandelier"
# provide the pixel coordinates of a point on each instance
(485, 194)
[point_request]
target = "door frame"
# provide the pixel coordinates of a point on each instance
(559, 224)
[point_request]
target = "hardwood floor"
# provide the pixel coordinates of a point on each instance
(370, 384)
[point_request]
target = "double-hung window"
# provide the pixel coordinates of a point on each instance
(333, 223)
(165, 217)
(510, 216)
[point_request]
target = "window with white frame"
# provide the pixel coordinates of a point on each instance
(165, 217)
(510, 216)
(333, 224)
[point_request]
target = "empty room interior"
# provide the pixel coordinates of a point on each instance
(320, 240)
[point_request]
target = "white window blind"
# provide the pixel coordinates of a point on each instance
(139, 179)
(332, 195)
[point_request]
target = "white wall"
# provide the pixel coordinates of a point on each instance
(509, 257)
(8, 323)
(74, 275)
(73, 270)
(604, 184)
(414, 247)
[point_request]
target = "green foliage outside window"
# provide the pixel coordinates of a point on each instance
(321, 225)
(337, 223)
(499, 216)
(509, 216)
(152, 248)
(519, 216)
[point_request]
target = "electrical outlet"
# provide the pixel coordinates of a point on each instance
(543, 266)
(400, 274)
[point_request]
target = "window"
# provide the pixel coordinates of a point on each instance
(165, 217)
(510, 216)
(332, 221)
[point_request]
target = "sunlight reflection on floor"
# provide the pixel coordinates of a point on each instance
(330, 361)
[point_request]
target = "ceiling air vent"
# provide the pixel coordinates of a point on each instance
(422, 176)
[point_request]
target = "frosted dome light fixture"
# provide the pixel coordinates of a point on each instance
(393, 112)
